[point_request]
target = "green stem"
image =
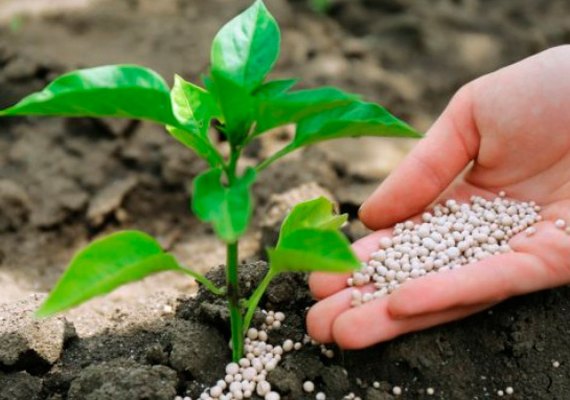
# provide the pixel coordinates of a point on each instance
(236, 318)
(205, 281)
(250, 134)
(232, 165)
(268, 161)
(256, 297)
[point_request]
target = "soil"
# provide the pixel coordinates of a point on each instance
(515, 345)
(64, 182)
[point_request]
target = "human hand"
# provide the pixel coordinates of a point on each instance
(513, 125)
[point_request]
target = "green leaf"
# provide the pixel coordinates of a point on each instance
(317, 213)
(103, 266)
(123, 91)
(247, 47)
(237, 107)
(192, 105)
(309, 240)
(227, 207)
(200, 144)
(313, 250)
(274, 88)
(294, 106)
(353, 120)
(194, 108)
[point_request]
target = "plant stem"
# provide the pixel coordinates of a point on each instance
(232, 165)
(256, 297)
(268, 161)
(236, 318)
(205, 282)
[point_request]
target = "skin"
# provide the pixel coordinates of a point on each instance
(508, 130)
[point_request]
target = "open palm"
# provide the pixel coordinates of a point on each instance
(510, 131)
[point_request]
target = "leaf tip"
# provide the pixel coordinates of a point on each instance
(44, 311)
(259, 3)
(411, 131)
(178, 80)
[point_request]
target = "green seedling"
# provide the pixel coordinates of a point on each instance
(244, 105)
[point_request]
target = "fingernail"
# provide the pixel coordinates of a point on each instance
(398, 316)
(360, 211)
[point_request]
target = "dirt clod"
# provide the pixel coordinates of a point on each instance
(109, 199)
(124, 380)
(20, 386)
(26, 341)
(286, 382)
(197, 349)
(335, 381)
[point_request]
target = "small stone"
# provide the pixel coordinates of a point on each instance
(397, 390)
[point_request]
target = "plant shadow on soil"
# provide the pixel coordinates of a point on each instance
(513, 345)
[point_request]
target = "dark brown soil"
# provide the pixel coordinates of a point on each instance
(55, 174)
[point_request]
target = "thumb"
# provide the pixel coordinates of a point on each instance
(450, 144)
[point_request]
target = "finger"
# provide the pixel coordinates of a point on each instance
(538, 262)
(371, 323)
(321, 316)
(451, 143)
(323, 284)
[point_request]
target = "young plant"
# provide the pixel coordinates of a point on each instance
(245, 105)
